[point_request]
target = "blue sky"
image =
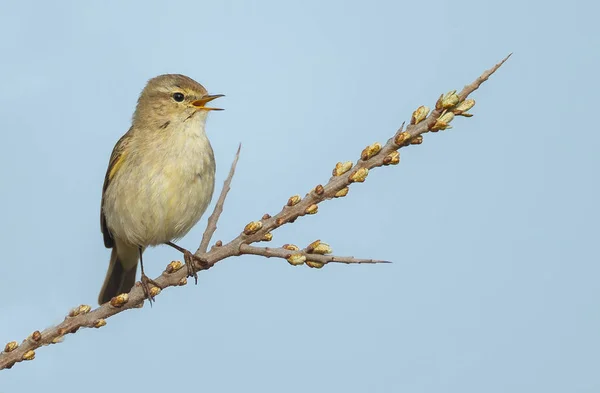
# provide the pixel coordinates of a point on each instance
(492, 226)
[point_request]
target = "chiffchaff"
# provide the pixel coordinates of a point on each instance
(160, 178)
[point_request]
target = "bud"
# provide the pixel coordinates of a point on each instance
(402, 139)
(447, 100)
(267, 237)
(370, 151)
(29, 355)
(99, 323)
(154, 291)
(359, 176)
(314, 264)
(182, 282)
(173, 267)
(119, 300)
(266, 216)
(417, 140)
(294, 200)
(419, 115)
(319, 190)
(296, 259)
(392, 159)
(443, 122)
(464, 106)
(322, 248)
(312, 209)
(291, 247)
(312, 246)
(60, 339)
(252, 227)
(11, 346)
(341, 193)
(341, 168)
(36, 336)
(83, 309)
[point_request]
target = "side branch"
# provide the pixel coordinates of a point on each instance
(211, 227)
(297, 257)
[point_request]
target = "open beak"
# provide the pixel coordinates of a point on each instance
(200, 104)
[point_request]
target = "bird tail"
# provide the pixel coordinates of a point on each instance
(120, 276)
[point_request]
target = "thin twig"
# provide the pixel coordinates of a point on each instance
(286, 254)
(211, 226)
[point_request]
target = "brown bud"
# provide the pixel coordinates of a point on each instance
(402, 139)
(218, 243)
(319, 190)
(314, 264)
(392, 159)
(29, 355)
(359, 176)
(252, 227)
(312, 209)
(279, 222)
(341, 193)
(341, 168)
(296, 259)
(11, 346)
(370, 151)
(182, 282)
(173, 267)
(266, 216)
(267, 237)
(119, 300)
(294, 200)
(36, 336)
(419, 115)
(291, 247)
(99, 323)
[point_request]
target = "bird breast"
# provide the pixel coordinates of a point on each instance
(163, 187)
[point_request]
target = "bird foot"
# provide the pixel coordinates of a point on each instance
(146, 282)
(189, 259)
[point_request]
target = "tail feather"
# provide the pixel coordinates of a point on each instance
(120, 278)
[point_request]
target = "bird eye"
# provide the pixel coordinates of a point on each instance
(178, 97)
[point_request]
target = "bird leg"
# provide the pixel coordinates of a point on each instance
(145, 280)
(189, 258)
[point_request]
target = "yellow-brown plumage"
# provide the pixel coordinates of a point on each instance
(160, 177)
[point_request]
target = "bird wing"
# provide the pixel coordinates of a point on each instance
(116, 161)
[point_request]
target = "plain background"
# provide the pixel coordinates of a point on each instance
(493, 225)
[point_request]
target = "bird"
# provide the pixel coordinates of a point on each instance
(159, 181)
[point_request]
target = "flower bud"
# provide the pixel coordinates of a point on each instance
(419, 114)
(370, 151)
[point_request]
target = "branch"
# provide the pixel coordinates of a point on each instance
(296, 257)
(211, 227)
(344, 174)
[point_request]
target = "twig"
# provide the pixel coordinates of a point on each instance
(288, 254)
(211, 226)
(373, 156)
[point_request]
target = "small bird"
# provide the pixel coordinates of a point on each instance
(160, 179)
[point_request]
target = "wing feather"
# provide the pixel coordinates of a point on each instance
(117, 158)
